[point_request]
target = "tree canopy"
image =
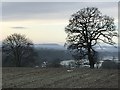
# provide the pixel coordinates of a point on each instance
(18, 47)
(86, 28)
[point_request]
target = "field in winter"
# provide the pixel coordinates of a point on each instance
(59, 78)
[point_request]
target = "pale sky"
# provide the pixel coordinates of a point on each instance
(44, 22)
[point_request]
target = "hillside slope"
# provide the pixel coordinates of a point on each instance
(59, 78)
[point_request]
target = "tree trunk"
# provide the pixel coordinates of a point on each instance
(18, 63)
(90, 58)
(18, 59)
(91, 64)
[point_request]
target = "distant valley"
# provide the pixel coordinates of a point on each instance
(51, 52)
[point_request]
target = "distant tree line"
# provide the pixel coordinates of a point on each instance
(19, 51)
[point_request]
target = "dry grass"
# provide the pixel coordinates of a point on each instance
(59, 78)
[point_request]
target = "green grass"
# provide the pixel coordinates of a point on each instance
(59, 78)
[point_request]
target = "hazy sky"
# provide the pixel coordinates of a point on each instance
(44, 22)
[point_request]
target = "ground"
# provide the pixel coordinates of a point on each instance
(58, 78)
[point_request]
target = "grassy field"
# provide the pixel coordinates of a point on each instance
(59, 78)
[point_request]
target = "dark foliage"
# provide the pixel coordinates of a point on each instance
(107, 64)
(86, 28)
(18, 51)
(55, 63)
(51, 55)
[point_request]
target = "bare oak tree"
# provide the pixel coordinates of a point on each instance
(18, 47)
(86, 28)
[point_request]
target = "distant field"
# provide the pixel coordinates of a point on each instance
(59, 78)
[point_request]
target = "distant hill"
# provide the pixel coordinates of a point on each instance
(51, 52)
(106, 49)
(103, 48)
(50, 46)
(0, 43)
(107, 52)
(54, 52)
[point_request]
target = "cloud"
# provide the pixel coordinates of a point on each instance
(18, 27)
(51, 10)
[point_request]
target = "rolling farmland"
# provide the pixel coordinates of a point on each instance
(59, 78)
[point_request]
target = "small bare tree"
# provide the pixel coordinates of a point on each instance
(18, 47)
